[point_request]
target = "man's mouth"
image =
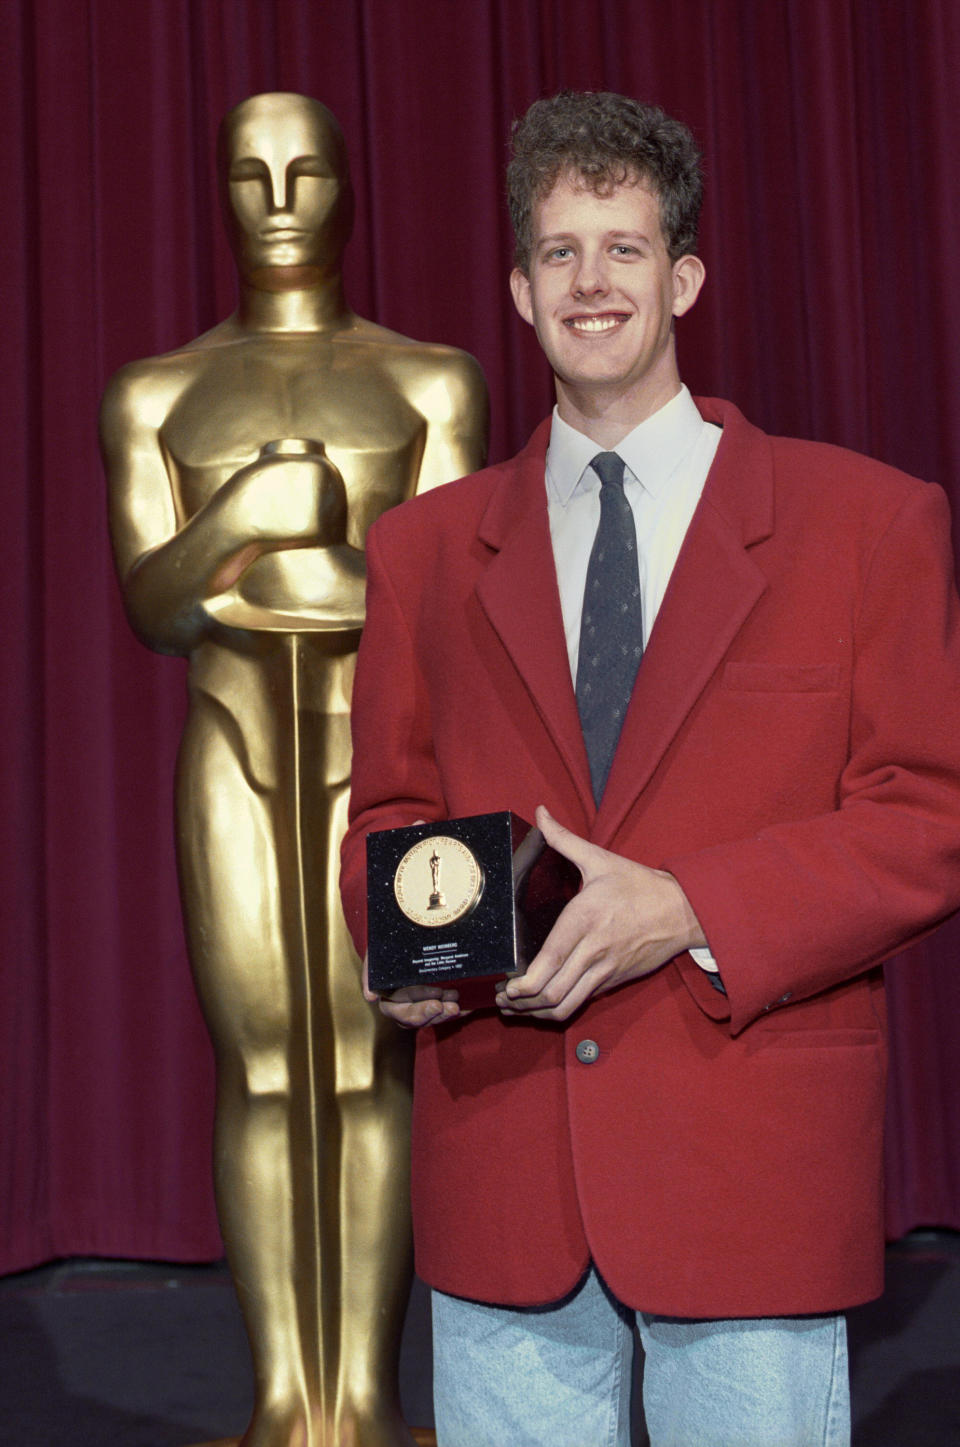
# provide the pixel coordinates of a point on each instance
(596, 324)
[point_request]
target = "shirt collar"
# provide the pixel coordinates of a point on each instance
(652, 451)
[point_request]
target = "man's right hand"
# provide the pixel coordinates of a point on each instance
(414, 1006)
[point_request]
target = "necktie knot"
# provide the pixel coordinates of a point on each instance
(609, 468)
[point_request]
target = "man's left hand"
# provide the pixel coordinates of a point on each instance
(626, 921)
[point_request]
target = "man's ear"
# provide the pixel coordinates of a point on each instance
(689, 275)
(520, 288)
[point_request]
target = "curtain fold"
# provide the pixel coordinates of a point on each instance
(832, 146)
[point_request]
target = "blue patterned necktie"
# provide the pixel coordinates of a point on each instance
(611, 626)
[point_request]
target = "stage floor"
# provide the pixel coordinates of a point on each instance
(122, 1354)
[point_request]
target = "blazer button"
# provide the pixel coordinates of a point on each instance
(588, 1051)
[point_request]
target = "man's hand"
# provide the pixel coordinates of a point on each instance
(415, 1005)
(626, 921)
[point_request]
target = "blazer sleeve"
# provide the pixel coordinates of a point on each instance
(799, 907)
(394, 778)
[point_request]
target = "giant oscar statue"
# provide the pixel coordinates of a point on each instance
(244, 471)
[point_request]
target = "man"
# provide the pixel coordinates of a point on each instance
(245, 468)
(677, 1111)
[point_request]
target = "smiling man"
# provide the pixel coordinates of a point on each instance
(724, 671)
(601, 288)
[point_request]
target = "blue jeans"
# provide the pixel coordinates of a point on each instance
(560, 1376)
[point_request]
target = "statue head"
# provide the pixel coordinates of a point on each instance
(285, 189)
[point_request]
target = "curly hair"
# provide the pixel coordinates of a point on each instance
(606, 139)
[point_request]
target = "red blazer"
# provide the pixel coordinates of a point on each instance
(791, 755)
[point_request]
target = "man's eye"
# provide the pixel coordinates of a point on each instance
(559, 253)
(623, 250)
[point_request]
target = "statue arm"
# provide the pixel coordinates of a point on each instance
(453, 400)
(324, 587)
(171, 569)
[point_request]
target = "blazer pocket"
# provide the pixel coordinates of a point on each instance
(782, 677)
(843, 1037)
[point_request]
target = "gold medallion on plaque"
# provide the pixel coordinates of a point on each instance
(438, 881)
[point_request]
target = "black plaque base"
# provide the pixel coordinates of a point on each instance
(417, 878)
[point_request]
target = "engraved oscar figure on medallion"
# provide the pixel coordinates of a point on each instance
(244, 470)
(437, 900)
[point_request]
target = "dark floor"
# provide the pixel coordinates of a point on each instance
(116, 1354)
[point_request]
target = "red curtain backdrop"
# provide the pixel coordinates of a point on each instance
(831, 311)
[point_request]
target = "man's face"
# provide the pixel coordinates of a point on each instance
(285, 188)
(602, 293)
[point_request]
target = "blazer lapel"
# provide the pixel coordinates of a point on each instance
(518, 593)
(714, 586)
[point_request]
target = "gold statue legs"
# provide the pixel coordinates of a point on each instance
(313, 1086)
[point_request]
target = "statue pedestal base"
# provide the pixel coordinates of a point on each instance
(423, 1436)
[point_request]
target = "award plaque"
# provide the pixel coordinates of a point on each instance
(460, 900)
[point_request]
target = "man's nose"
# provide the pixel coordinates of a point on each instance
(590, 277)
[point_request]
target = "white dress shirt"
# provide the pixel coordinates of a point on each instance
(666, 459)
